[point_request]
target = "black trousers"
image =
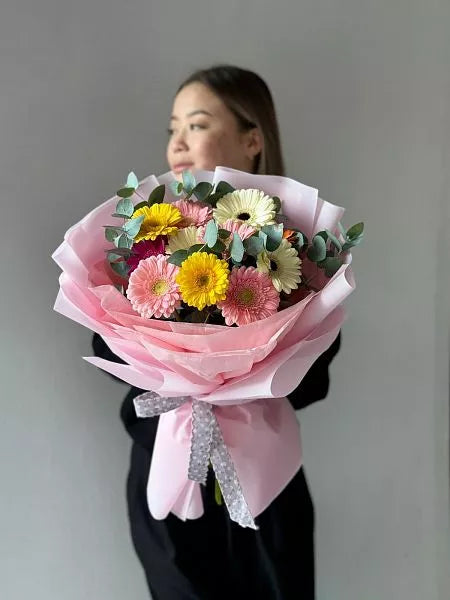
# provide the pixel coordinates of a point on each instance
(213, 558)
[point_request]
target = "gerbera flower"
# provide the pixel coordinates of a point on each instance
(243, 230)
(251, 296)
(203, 279)
(184, 239)
(144, 249)
(152, 289)
(251, 206)
(193, 213)
(290, 235)
(282, 265)
(159, 219)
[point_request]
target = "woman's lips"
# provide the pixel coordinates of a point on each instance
(181, 167)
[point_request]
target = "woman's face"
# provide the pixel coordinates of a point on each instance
(204, 134)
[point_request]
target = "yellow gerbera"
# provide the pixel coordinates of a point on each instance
(203, 279)
(159, 219)
(253, 207)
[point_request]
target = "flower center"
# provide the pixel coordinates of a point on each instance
(246, 296)
(243, 216)
(160, 287)
(203, 280)
(152, 223)
(273, 265)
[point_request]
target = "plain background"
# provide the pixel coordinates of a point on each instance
(362, 91)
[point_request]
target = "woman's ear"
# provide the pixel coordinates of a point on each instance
(253, 143)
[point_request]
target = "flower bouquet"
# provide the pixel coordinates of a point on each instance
(218, 292)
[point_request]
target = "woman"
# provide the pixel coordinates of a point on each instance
(224, 116)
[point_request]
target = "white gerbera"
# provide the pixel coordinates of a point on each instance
(183, 239)
(282, 265)
(253, 207)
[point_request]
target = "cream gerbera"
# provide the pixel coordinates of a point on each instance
(152, 289)
(184, 239)
(194, 213)
(282, 265)
(253, 207)
(159, 219)
(203, 279)
(251, 296)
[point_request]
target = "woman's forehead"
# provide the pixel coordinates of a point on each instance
(195, 99)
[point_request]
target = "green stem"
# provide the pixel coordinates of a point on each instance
(217, 493)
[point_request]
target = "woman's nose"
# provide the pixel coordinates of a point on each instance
(179, 141)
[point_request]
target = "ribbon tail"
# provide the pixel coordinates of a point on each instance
(228, 481)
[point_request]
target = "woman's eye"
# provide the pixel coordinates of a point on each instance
(170, 131)
(197, 126)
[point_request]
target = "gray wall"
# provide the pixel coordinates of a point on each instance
(362, 89)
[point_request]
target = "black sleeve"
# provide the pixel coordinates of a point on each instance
(314, 385)
(102, 350)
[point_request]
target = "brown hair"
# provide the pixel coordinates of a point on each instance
(248, 97)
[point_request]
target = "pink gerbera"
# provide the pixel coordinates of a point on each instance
(143, 250)
(194, 213)
(251, 296)
(152, 289)
(243, 230)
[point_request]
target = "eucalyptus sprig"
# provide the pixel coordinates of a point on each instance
(328, 251)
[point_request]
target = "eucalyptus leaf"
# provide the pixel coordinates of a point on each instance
(301, 241)
(237, 248)
(274, 236)
(355, 231)
(224, 234)
(121, 268)
(332, 265)
(118, 251)
(125, 207)
(318, 249)
(132, 181)
(202, 190)
(211, 233)
(176, 187)
(123, 241)
(218, 248)
(110, 234)
(133, 226)
(113, 256)
(277, 203)
(157, 195)
(125, 192)
(263, 237)
(342, 230)
(333, 239)
(351, 244)
(196, 248)
(188, 181)
(140, 205)
(177, 257)
(254, 245)
(223, 188)
(323, 234)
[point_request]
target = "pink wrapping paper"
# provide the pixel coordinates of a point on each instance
(246, 372)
